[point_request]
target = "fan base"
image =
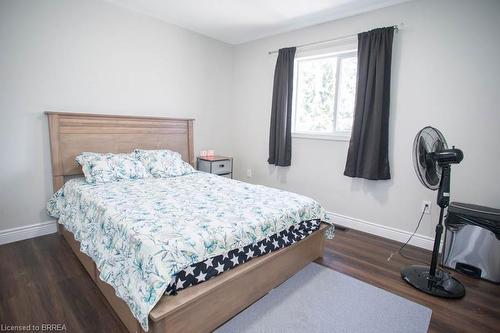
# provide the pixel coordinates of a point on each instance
(442, 285)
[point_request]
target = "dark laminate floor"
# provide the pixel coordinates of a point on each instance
(41, 281)
(364, 257)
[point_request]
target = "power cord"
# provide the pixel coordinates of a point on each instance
(409, 239)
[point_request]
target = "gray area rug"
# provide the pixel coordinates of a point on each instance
(318, 299)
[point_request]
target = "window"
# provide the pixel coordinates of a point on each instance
(324, 91)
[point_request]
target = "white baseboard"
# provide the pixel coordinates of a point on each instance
(28, 231)
(382, 231)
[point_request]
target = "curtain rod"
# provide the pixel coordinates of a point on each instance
(396, 28)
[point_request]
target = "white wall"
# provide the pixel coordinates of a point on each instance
(92, 56)
(445, 74)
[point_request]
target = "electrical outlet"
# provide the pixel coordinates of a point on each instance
(249, 173)
(426, 207)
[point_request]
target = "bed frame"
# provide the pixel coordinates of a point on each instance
(200, 308)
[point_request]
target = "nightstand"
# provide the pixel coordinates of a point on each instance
(219, 165)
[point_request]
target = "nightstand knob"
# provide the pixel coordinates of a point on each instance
(221, 165)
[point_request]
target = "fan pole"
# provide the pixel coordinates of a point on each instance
(443, 200)
(437, 242)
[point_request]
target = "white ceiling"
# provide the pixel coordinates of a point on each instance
(240, 21)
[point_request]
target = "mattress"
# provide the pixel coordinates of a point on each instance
(146, 235)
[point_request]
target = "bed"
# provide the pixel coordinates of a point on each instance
(289, 236)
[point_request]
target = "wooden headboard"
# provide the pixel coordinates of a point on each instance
(73, 133)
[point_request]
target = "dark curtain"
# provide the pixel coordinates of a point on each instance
(368, 149)
(280, 136)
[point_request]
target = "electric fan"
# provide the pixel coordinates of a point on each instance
(432, 160)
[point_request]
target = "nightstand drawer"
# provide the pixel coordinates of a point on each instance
(220, 167)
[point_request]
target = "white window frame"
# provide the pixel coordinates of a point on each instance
(342, 51)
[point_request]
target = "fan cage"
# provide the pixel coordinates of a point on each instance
(433, 140)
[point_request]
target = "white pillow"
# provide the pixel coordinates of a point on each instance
(163, 163)
(103, 168)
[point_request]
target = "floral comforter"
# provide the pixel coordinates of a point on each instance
(140, 233)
